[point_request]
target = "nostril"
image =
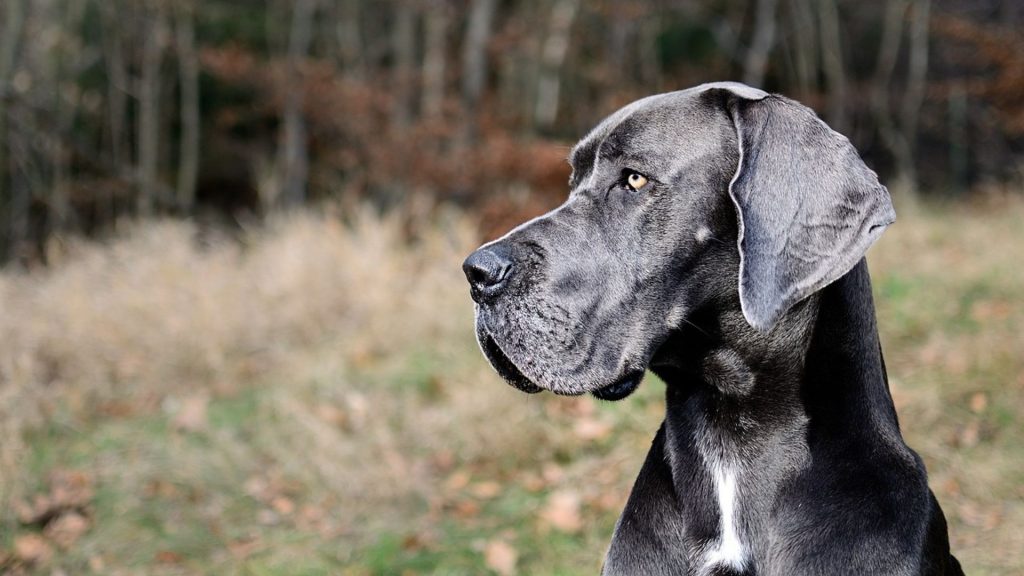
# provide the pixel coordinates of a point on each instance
(478, 275)
(487, 269)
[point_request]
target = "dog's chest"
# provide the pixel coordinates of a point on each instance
(727, 554)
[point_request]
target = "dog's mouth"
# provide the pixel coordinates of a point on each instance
(505, 367)
(621, 389)
(508, 370)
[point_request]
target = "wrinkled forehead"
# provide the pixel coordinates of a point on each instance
(650, 135)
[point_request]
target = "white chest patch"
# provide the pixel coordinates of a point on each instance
(703, 234)
(729, 550)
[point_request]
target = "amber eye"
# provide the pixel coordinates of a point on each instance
(636, 181)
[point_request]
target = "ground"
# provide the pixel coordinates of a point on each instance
(310, 400)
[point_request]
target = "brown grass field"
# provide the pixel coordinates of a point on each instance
(310, 400)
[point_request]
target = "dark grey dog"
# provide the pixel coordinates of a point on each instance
(716, 236)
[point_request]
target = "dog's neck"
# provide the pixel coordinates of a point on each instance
(748, 409)
(821, 364)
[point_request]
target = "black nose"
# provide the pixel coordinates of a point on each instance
(488, 270)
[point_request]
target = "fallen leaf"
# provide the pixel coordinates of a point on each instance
(552, 473)
(951, 487)
(457, 481)
(979, 401)
(970, 435)
(68, 491)
(532, 482)
(191, 416)
(413, 542)
(563, 511)
(32, 549)
(485, 490)
(467, 509)
(167, 557)
(332, 415)
(501, 557)
(443, 460)
(256, 487)
(243, 548)
(592, 429)
(283, 506)
(67, 529)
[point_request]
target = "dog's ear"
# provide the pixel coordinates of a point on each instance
(808, 206)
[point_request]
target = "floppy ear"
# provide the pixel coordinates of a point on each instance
(808, 206)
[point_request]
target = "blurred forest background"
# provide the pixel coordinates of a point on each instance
(237, 108)
(234, 333)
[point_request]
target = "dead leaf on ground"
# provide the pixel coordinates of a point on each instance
(67, 529)
(970, 435)
(191, 416)
(283, 506)
(332, 415)
(552, 473)
(562, 511)
(591, 429)
(168, 557)
(467, 509)
(69, 490)
(243, 548)
(979, 401)
(485, 490)
(985, 518)
(501, 557)
(32, 549)
(457, 481)
(532, 482)
(443, 460)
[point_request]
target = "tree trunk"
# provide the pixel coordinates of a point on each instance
(347, 31)
(117, 105)
(556, 46)
(14, 20)
(888, 54)
(293, 159)
(914, 95)
(434, 58)
(404, 48)
(188, 71)
(474, 62)
(66, 66)
(149, 113)
(832, 62)
(805, 47)
(756, 63)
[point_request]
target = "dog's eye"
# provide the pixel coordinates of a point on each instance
(636, 180)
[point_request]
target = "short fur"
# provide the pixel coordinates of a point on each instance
(737, 275)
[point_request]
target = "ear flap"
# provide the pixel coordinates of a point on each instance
(808, 206)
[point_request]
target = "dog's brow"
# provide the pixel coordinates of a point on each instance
(610, 148)
(582, 158)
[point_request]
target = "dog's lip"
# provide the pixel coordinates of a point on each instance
(505, 367)
(620, 388)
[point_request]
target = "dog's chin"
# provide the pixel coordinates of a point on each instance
(504, 366)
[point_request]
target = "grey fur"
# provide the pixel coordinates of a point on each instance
(737, 275)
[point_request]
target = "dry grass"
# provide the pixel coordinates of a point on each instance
(311, 400)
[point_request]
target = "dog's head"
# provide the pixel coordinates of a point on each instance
(675, 199)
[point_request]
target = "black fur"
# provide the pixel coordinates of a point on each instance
(737, 275)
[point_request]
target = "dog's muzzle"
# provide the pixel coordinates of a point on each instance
(503, 365)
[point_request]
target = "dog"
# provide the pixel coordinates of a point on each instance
(716, 237)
